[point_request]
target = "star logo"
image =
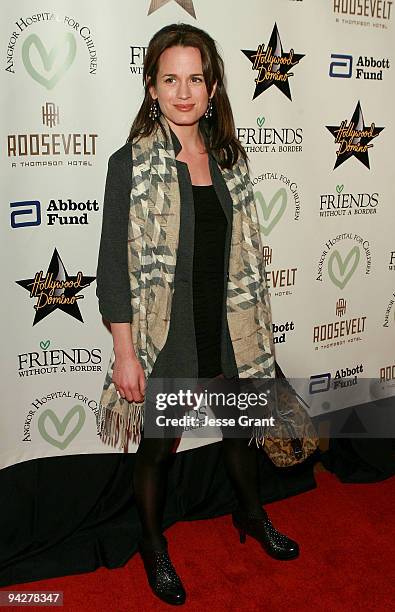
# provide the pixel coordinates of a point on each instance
(273, 65)
(354, 139)
(185, 4)
(56, 290)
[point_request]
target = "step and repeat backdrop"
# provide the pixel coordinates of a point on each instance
(312, 87)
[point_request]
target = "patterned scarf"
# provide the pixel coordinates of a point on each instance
(154, 222)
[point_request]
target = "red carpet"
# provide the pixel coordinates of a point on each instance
(346, 533)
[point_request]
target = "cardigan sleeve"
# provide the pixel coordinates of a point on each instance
(112, 277)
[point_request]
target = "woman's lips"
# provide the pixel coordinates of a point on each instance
(184, 107)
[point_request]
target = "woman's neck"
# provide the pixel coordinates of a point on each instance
(189, 137)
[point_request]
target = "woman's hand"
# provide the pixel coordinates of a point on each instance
(129, 379)
(128, 374)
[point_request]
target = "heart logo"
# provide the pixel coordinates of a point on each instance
(339, 188)
(61, 426)
(337, 268)
(278, 201)
(260, 121)
(44, 344)
(67, 43)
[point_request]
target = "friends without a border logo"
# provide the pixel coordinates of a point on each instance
(185, 4)
(56, 290)
(262, 138)
(342, 202)
(137, 57)
(273, 65)
(354, 139)
(47, 360)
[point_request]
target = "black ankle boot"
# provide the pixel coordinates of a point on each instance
(276, 544)
(162, 576)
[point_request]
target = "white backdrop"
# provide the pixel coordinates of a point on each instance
(71, 83)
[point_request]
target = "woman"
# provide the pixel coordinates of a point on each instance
(181, 280)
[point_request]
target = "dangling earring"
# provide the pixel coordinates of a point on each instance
(209, 111)
(154, 110)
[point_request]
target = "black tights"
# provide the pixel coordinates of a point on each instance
(150, 480)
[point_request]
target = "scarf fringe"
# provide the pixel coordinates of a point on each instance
(114, 428)
(258, 436)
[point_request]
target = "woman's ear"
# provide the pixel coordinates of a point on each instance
(151, 89)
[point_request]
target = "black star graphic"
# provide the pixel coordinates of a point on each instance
(63, 296)
(271, 72)
(185, 4)
(351, 143)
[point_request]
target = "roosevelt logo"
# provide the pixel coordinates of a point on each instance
(375, 13)
(280, 281)
(335, 333)
(56, 290)
(51, 148)
(273, 65)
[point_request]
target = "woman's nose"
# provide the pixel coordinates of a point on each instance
(183, 90)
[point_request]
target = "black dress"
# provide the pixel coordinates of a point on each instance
(208, 278)
(207, 295)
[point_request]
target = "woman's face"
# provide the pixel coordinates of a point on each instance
(180, 87)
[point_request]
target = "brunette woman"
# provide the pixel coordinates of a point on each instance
(183, 177)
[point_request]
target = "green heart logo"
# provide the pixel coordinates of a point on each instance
(340, 277)
(44, 344)
(48, 59)
(61, 426)
(267, 211)
(339, 188)
(260, 121)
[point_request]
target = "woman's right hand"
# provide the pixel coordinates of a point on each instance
(129, 378)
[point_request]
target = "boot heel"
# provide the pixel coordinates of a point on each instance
(276, 544)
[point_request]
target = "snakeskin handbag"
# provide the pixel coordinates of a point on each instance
(293, 437)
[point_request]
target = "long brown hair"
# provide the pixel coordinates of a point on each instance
(218, 131)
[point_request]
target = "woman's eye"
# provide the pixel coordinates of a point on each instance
(193, 79)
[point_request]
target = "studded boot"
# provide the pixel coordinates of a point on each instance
(260, 527)
(162, 577)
